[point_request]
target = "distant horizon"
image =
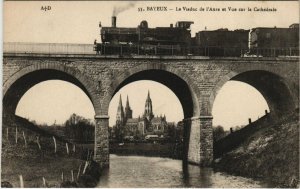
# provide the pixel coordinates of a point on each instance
(92, 120)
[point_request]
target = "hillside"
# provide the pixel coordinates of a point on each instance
(17, 121)
(271, 153)
(35, 160)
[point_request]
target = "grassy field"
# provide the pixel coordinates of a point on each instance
(33, 165)
(33, 171)
(36, 159)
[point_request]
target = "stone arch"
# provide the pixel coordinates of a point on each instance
(18, 83)
(273, 87)
(135, 74)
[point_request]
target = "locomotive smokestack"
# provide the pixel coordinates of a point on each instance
(113, 21)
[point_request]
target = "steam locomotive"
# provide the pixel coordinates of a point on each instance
(177, 40)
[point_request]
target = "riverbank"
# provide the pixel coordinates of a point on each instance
(271, 154)
(170, 150)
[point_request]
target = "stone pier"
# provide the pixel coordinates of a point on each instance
(101, 149)
(200, 149)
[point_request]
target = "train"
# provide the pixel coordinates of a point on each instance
(177, 40)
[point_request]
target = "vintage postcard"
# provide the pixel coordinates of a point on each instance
(150, 94)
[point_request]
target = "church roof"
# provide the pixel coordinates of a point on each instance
(156, 120)
(133, 120)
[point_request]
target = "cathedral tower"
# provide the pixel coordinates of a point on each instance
(128, 111)
(120, 113)
(148, 108)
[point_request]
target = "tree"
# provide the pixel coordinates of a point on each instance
(119, 132)
(171, 132)
(79, 129)
(218, 133)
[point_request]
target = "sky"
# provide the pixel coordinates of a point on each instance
(77, 22)
(44, 105)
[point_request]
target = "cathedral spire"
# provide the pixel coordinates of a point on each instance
(120, 112)
(128, 111)
(148, 97)
(127, 103)
(148, 108)
(120, 101)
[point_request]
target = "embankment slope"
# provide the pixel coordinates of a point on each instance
(271, 153)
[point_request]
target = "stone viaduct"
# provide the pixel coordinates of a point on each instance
(195, 81)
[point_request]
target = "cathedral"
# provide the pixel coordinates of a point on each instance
(147, 124)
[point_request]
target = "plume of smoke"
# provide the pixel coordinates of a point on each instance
(121, 8)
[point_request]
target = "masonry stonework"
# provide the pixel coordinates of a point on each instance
(100, 77)
(206, 140)
(194, 141)
(101, 147)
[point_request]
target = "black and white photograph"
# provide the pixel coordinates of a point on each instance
(150, 94)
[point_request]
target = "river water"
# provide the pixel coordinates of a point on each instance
(139, 171)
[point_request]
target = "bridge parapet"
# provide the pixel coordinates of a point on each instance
(47, 48)
(69, 49)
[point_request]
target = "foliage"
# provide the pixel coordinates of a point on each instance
(119, 135)
(79, 129)
(171, 131)
(218, 133)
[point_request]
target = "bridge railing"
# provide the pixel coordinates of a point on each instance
(173, 50)
(211, 51)
(48, 48)
(159, 50)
